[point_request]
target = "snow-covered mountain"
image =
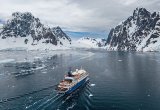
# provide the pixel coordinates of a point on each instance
(76, 35)
(140, 32)
(62, 37)
(88, 42)
(23, 30)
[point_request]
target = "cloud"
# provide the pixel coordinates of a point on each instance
(78, 15)
(127, 2)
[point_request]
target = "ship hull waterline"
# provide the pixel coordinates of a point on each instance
(75, 87)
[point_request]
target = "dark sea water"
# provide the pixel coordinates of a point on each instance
(118, 80)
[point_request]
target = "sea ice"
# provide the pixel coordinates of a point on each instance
(92, 85)
(90, 95)
(6, 61)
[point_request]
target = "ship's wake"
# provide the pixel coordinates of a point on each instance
(79, 98)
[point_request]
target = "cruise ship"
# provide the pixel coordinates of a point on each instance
(72, 81)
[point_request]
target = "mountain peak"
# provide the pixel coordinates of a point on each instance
(138, 33)
(25, 26)
(60, 34)
(58, 27)
(140, 9)
(22, 15)
(141, 12)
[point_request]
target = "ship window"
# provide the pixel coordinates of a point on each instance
(68, 80)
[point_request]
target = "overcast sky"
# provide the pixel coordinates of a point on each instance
(78, 15)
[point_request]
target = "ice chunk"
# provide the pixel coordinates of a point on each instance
(148, 95)
(44, 72)
(37, 58)
(90, 95)
(92, 84)
(7, 61)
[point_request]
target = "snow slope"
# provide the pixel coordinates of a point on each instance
(13, 43)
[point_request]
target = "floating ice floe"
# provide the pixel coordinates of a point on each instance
(43, 53)
(37, 58)
(92, 85)
(44, 72)
(7, 61)
(39, 68)
(119, 60)
(148, 95)
(90, 95)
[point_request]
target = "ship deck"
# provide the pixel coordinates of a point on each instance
(69, 82)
